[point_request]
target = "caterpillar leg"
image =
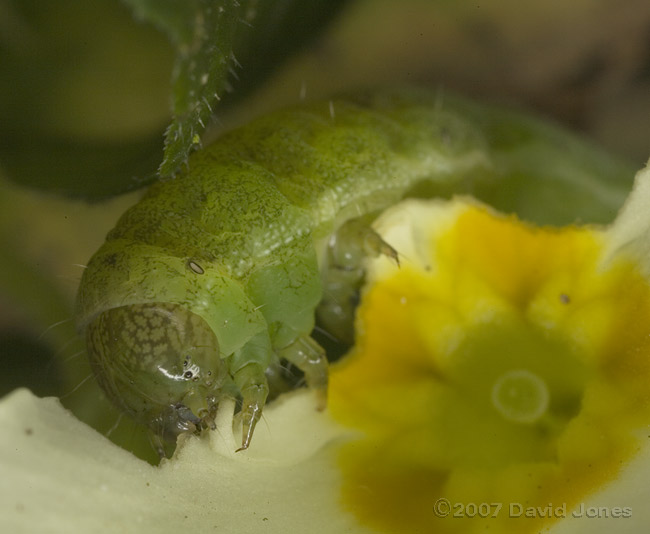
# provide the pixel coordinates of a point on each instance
(158, 444)
(254, 390)
(310, 358)
(248, 370)
(343, 274)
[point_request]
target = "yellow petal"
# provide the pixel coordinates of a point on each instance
(502, 364)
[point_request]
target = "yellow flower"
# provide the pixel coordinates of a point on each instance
(500, 383)
(500, 376)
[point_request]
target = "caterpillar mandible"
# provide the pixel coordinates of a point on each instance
(217, 274)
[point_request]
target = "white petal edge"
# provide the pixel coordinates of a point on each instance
(630, 231)
(410, 227)
(60, 476)
(630, 490)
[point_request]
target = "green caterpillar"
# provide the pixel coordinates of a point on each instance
(215, 275)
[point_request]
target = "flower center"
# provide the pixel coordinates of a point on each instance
(520, 396)
(511, 367)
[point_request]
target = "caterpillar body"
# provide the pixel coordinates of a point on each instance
(216, 274)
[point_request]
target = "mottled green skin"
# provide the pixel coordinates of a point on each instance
(253, 210)
(161, 377)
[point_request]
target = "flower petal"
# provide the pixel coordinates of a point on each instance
(501, 363)
(630, 232)
(59, 475)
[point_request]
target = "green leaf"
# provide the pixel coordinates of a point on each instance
(89, 169)
(84, 91)
(222, 44)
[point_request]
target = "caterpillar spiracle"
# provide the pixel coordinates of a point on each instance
(217, 274)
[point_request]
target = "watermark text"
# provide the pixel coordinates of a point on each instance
(446, 508)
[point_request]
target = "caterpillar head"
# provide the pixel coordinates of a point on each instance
(160, 363)
(160, 331)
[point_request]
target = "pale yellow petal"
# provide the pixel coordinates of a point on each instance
(60, 476)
